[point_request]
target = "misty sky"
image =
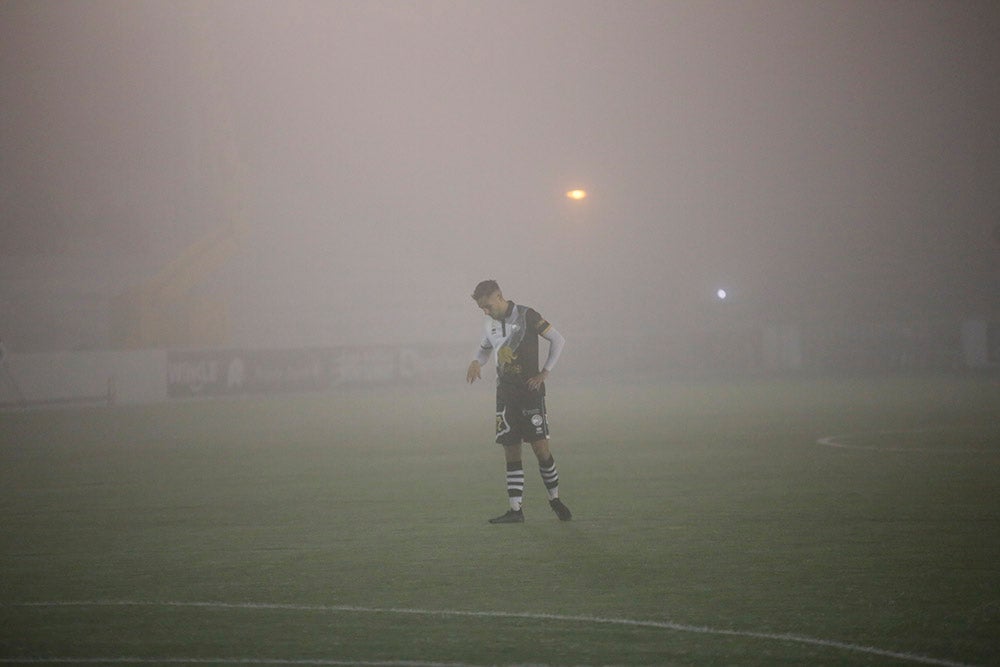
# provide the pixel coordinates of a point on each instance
(383, 157)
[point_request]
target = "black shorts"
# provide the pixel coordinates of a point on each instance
(520, 415)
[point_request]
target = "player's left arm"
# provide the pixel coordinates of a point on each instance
(556, 343)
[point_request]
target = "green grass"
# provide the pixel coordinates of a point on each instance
(704, 504)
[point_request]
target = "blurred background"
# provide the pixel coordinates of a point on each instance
(248, 175)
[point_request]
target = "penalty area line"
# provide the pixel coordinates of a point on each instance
(661, 625)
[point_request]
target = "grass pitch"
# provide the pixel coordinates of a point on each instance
(756, 522)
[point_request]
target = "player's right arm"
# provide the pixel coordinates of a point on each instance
(473, 373)
(482, 356)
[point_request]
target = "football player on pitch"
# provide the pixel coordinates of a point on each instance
(511, 338)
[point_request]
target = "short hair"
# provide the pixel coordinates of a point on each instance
(485, 288)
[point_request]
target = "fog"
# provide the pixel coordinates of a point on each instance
(377, 159)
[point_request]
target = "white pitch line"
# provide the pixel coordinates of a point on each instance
(837, 441)
(663, 625)
(226, 661)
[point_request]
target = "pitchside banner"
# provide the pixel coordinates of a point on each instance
(193, 373)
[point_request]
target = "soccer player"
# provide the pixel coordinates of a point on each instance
(511, 338)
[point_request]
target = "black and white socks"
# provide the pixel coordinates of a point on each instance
(550, 476)
(515, 484)
(515, 481)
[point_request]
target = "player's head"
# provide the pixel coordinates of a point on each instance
(485, 288)
(489, 298)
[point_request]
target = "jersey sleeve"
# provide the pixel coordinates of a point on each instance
(556, 343)
(536, 322)
(484, 350)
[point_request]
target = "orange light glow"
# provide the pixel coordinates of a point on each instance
(576, 194)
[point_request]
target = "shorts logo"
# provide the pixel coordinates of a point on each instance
(502, 426)
(537, 420)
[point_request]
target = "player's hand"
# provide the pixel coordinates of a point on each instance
(536, 381)
(473, 373)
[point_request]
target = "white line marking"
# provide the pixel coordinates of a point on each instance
(227, 661)
(663, 625)
(838, 441)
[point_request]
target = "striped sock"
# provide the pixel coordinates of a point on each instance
(550, 476)
(515, 484)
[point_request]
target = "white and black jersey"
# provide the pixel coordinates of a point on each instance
(513, 343)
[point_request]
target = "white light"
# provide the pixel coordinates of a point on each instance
(721, 294)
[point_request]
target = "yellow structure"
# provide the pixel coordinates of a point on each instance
(167, 310)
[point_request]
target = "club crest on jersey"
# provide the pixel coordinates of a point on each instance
(493, 328)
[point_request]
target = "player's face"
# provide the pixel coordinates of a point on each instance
(493, 305)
